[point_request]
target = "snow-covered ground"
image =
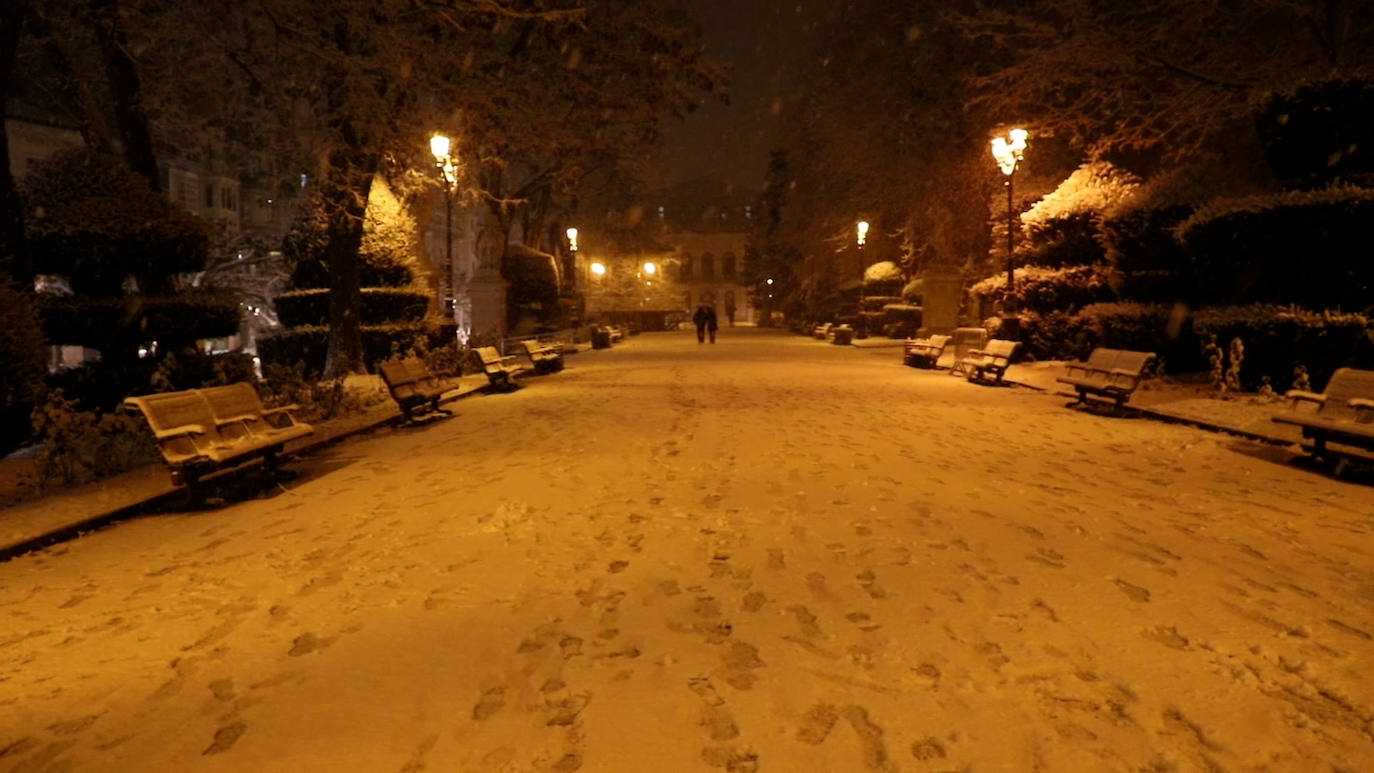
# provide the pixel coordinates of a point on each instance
(768, 554)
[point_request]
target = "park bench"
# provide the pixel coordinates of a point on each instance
(822, 332)
(924, 352)
(1343, 413)
(239, 411)
(987, 364)
(543, 357)
(412, 385)
(198, 437)
(1108, 375)
(501, 369)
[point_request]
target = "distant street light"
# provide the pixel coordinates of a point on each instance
(439, 146)
(650, 268)
(598, 268)
(572, 239)
(1009, 151)
(861, 234)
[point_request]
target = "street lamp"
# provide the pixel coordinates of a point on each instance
(861, 235)
(1009, 151)
(572, 239)
(439, 146)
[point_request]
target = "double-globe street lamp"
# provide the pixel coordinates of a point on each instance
(440, 146)
(1009, 151)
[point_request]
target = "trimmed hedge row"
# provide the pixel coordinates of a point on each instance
(1276, 339)
(101, 322)
(1304, 248)
(308, 345)
(380, 306)
(1045, 290)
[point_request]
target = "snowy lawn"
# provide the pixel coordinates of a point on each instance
(765, 554)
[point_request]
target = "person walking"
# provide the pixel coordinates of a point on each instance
(699, 319)
(711, 322)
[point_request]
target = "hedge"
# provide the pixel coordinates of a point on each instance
(308, 345)
(105, 322)
(1148, 263)
(1276, 339)
(380, 306)
(1305, 248)
(1044, 290)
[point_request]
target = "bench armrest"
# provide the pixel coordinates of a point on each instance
(1364, 409)
(245, 417)
(183, 430)
(1126, 373)
(1298, 395)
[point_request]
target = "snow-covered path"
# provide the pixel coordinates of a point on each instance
(769, 554)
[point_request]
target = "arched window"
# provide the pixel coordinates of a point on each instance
(708, 267)
(727, 267)
(684, 269)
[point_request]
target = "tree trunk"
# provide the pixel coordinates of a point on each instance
(345, 188)
(127, 90)
(13, 252)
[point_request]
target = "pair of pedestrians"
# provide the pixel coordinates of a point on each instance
(706, 322)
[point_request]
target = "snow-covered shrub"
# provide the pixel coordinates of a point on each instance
(913, 292)
(80, 446)
(1062, 228)
(1044, 290)
(123, 249)
(1057, 335)
(1280, 338)
(900, 320)
(883, 278)
(1309, 248)
(90, 219)
(24, 354)
(193, 368)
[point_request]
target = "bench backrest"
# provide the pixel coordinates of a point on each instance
(233, 400)
(171, 410)
(1101, 359)
(417, 369)
(1345, 384)
(1134, 362)
(489, 356)
(396, 373)
(1001, 347)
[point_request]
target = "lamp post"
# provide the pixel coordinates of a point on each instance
(439, 145)
(1009, 151)
(861, 237)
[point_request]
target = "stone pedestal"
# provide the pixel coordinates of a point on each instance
(943, 293)
(487, 307)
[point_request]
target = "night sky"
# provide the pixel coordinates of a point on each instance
(731, 142)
